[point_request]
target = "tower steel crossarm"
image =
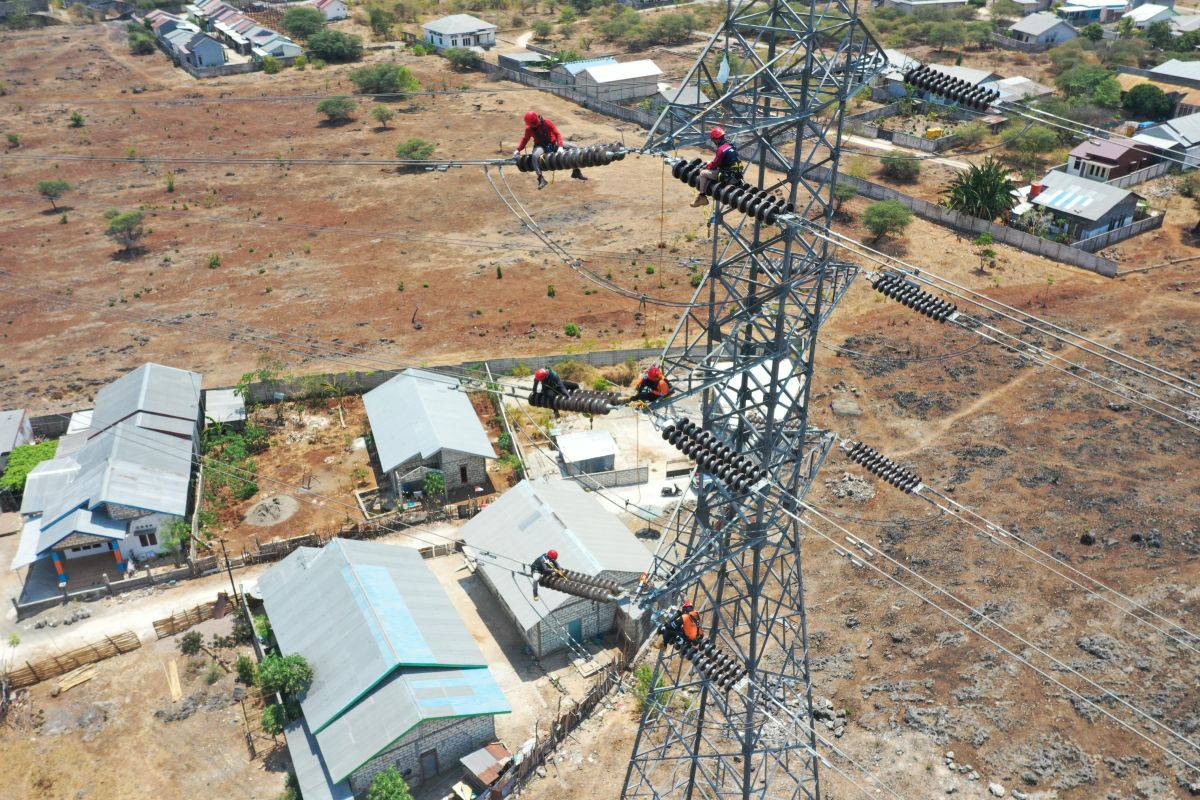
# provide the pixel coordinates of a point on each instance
(743, 353)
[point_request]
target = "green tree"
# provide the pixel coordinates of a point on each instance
(1125, 28)
(383, 115)
(140, 41)
(274, 719)
(900, 168)
(888, 216)
(673, 28)
(335, 46)
(434, 485)
(1093, 32)
(979, 33)
(191, 642)
(1081, 80)
(1006, 9)
(1148, 102)
(289, 675)
(944, 35)
(389, 785)
(22, 460)
(414, 150)
(174, 536)
(385, 78)
(983, 191)
(125, 227)
(541, 30)
(381, 21)
(1030, 143)
(1107, 94)
(271, 65)
(247, 670)
(1158, 34)
(972, 133)
(841, 193)
(337, 109)
(52, 190)
(76, 120)
(303, 21)
(461, 57)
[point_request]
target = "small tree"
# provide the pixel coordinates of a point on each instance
(983, 191)
(140, 42)
(889, 216)
(1107, 94)
(461, 57)
(434, 485)
(381, 21)
(541, 30)
(900, 168)
(1006, 9)
(125, 227)
(571, 329)
(303, 21)
(1125, 28)
(944, 35)
(389, 785)
(1148, 102)
(383, 115)
(983, 244)
(841, 193)
(337, 109)
(76, 120)
(414, 150)
(274, 718)
(52, 190)
(1030, 143)
(247, 670)
(1158, 34)
(191, 643)
(271, 65)
(1092, 32)
(385, 78)
(335, 46)
(290, 675)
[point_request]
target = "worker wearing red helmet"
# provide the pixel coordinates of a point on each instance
(546, 139)
(653, 386)
(684, 624)
(543, 566)
(725, 166)
(547, 381)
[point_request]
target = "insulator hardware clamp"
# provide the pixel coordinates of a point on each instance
(910, 294)
(737, 471)
(878, 464)
(964, 93)
(597, 155)
(748, 199)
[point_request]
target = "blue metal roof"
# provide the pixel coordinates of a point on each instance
(576, 67)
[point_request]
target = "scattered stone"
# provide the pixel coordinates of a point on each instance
(996, 789)
(949, 755)
(1087, 538)
(951, 788)
(852, 487)
(1118, 406)
(1099, 645)
(1017, 794)
(846, 407)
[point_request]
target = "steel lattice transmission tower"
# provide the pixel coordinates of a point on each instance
(778, 76)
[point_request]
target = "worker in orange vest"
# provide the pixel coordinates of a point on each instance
(684, 625)
(652, 386)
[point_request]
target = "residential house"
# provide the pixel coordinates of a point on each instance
(909, 6)
(1083, 12)
(1084, 208)
(1185, 97)
(398, 680)
(538, 515)
(277, 46)
(1106, 159)
(1184, 23)
(240, 32)
(1018, 88)
(1042, 28)
(15, 430)
(205, 51)
(460, 30)
(566, 73)
(332, 9)
(523, 61)
(689, 96)
(1176, 70)
(111, 488)
(422, 421)
(1178, 138)
(616, 83)
(1146, 15)
(585, 452)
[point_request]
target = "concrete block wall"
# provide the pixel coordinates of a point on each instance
(476, 469)
(452, 739)
(597, 618)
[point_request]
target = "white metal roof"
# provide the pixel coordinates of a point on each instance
(1148, 12)
(419, 413)
(1183, 131)
(586, 445)
(1039, 23)
(1079, 197)
(81, 421)
(10, 427)
(224, 405)
(538, 515)
(45, 482)
(151, 389)
(1178, 69)
(459, 23)
(630, 70)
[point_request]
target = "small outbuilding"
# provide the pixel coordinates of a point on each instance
(538, 515)
(398, 680)
(1042, 28)
(585, 452)
(224, 407)
(616, 83)
(422, 421)
(15, 430)
(332, 9)
(460, 30)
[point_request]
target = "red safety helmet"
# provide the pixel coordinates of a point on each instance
(553, 554)
(654, 374)
(541, 374)
(531, 117)
(687, 605)
(717, 134)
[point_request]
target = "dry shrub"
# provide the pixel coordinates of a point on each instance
(621, 374)
(571, 369)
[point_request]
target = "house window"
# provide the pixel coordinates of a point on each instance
(85, 547)
(148, 539)
(462, 473)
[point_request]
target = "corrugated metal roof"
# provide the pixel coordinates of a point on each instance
(1147, 12)
(585, 445)
(224, 405)
(1079, 197)
(91, 523)
(399, 704)
(969, 74)
(1018, 87)
(150, 388)
(10, 426)
(81, 421)
(419, 413)
(1185, 23)
(689, 95)
(27, 546)
(1182, 130)
(1174, 68)
(1039, 23)
(1103, 149)
(458, 23)
(311, 772)
(576, 67)
(537, 515)
(525, 57)
(358, 611)
(45, 482)
(630, 70)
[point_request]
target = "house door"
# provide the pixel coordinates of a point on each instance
(462, 474)
(575, 629)
(429, 765)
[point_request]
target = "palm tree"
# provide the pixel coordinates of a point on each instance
(983, 191)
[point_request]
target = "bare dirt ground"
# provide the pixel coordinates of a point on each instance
(1044, 455)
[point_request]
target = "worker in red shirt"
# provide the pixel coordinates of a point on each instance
(725, 166)
(546, 139)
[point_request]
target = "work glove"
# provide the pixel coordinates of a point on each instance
(516, 153)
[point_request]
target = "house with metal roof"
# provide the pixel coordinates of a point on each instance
(1180, 138)
(1082, 12)
(332, 9)
(538, 515)
(690, 96)
(1084, 208)
(15, 430)
(1184, 23)
(111, 488)
(1106, 159)
(423, 421)
(567, 73)
(1179, 70)
(1183, 92)
(1017, 88)
(523, 61)
(616, 83)
(1146, 15)
(1042, 28)
(398, 680)
(584, 452)
(460, 30)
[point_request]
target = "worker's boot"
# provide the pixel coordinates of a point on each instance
(701, 200)
(577, 175)
(542, 182)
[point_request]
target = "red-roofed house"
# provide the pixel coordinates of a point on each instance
(1103, 160)
(332, 9)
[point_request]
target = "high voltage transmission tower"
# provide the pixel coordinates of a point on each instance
(778, 76)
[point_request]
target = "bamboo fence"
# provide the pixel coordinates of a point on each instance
(53, 666)
(182, 620)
